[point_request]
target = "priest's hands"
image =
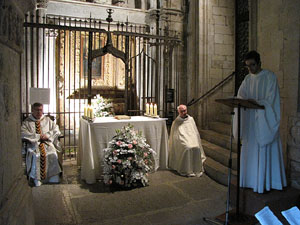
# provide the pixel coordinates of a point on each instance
(44, 137)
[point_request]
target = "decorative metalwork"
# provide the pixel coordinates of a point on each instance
(109, 18)
(143, 74)
(242, 40)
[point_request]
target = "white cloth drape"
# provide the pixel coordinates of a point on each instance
(52, 146)
(94, 137)
(186, 154)
(262, 166)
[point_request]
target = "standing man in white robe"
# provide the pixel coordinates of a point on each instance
(186, 154)
(262, 166)
(42, 134)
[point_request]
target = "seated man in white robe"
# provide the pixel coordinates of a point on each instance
(262, 166)
(42, 134)
(186, 154)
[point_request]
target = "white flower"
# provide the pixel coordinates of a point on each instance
(124, 158)
(102, 107)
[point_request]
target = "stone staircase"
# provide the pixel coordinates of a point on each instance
(216, 145)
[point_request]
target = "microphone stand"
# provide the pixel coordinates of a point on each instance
(228, 181)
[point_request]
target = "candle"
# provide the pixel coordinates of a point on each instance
(89, 111)
(147, 108)
(155, 110)
(92, 113)
(85, 111)
(151, 109)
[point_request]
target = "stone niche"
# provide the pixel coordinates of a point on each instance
(294, 151)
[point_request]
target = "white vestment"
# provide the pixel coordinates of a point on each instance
(186, 154)
(52, 146)
(262, 166)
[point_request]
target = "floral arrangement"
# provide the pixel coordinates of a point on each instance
(128, 159)
(102, 107)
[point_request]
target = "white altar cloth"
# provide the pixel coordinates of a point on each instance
(94, 137)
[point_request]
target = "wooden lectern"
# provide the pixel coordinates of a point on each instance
(239, 103)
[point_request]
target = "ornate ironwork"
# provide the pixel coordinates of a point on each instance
(241, 41)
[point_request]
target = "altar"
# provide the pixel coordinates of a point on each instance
(95, 136)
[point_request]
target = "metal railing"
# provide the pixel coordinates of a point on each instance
(221, 83)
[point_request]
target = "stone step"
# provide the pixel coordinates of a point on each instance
(217, 171)
(224, 118)
(219, 154)
(251, 202)
(218, 139)
(220, 127)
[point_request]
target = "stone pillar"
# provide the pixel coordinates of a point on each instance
(210, 53)
(172, 15)
(15, 194)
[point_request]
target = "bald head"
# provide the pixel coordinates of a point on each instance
(182, 111)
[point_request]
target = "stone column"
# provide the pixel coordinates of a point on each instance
(15, 194)
(193, 41)
(172, 14)
(210, 55)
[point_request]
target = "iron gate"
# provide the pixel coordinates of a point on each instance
(69, 56)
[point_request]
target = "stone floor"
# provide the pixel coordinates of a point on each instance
(169, 199)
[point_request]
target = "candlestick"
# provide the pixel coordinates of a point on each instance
(147, 108)
(151, 109)
(155, 110)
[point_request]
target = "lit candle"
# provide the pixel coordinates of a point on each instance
(89, 111)
(155, 110)
(151, 109)
(85, 111)
(147, 108)
(92, 113)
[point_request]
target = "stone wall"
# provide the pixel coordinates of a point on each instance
(211, 52)
(293, 150)
(278, 32)
(15, 194)
(97, 11)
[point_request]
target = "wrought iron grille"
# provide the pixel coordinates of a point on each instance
(242, 40)
(78, 58)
